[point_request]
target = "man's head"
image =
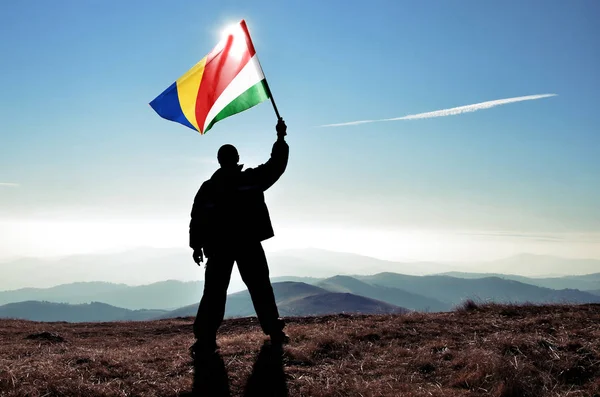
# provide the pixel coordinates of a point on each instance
(228, 156)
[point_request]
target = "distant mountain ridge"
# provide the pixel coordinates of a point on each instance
(391, 295)
(166, 295)
(337, 302)
(454, 290)
(581, 282)
(86, 312)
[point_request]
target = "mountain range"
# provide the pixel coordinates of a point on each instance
(454, 290)
(312, 290)
(167, 295)
(86, 312)
(586, 282)
(299, 299)
(293, 299)
(396, 296)
(373, 294)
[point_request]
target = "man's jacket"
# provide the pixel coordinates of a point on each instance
(230, 207)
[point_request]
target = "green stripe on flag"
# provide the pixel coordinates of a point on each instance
(251, 97)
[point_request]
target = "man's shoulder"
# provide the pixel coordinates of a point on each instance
(205, 187)
(206, 184)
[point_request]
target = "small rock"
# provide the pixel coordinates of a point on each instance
(46, 336)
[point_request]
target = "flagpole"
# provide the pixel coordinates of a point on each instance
(272, 100)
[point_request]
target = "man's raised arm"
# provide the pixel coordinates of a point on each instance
(268, 173)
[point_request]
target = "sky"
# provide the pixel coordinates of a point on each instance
(87, 166)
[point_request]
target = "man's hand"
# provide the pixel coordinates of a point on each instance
(198, 256)
(281, 129)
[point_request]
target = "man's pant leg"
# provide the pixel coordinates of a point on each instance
(212, 306)
(254, 270)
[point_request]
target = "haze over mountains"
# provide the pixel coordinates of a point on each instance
(150, 265)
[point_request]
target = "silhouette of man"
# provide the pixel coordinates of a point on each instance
(228, 222)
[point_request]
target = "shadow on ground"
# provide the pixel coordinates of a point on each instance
(267, 377)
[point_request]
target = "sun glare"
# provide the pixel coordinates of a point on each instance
(233, 36)
(229, 29)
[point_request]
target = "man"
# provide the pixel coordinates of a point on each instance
(229, 221)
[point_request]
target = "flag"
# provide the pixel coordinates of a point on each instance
(227, 81)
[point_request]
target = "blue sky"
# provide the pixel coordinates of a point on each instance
(84, 158)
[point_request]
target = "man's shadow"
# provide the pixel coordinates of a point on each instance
(267, 378)
(210, 377)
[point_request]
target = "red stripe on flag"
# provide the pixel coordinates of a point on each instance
(222, 65)
(247, 37)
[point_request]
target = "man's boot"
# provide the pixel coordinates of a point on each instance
(203, 348)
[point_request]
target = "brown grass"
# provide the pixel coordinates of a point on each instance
(477, 350)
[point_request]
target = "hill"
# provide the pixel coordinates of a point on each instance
(591, 277)
(336, 302)
(81, 292)
(582, 282)
(394, 296)
(86, 312)
(297, 299)
(454, 290)
(239, 304)
(490, 350)
(307, 280)
(168, 294)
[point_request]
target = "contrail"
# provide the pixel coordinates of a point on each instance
(9, 184)
(449, 112)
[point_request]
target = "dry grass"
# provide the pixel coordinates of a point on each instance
(477, 350)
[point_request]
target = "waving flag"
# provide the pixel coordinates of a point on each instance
(227, 81)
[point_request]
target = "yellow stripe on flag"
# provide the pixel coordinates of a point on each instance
(187, 91)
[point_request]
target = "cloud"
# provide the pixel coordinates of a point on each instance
(449, 112)
(9, 184)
